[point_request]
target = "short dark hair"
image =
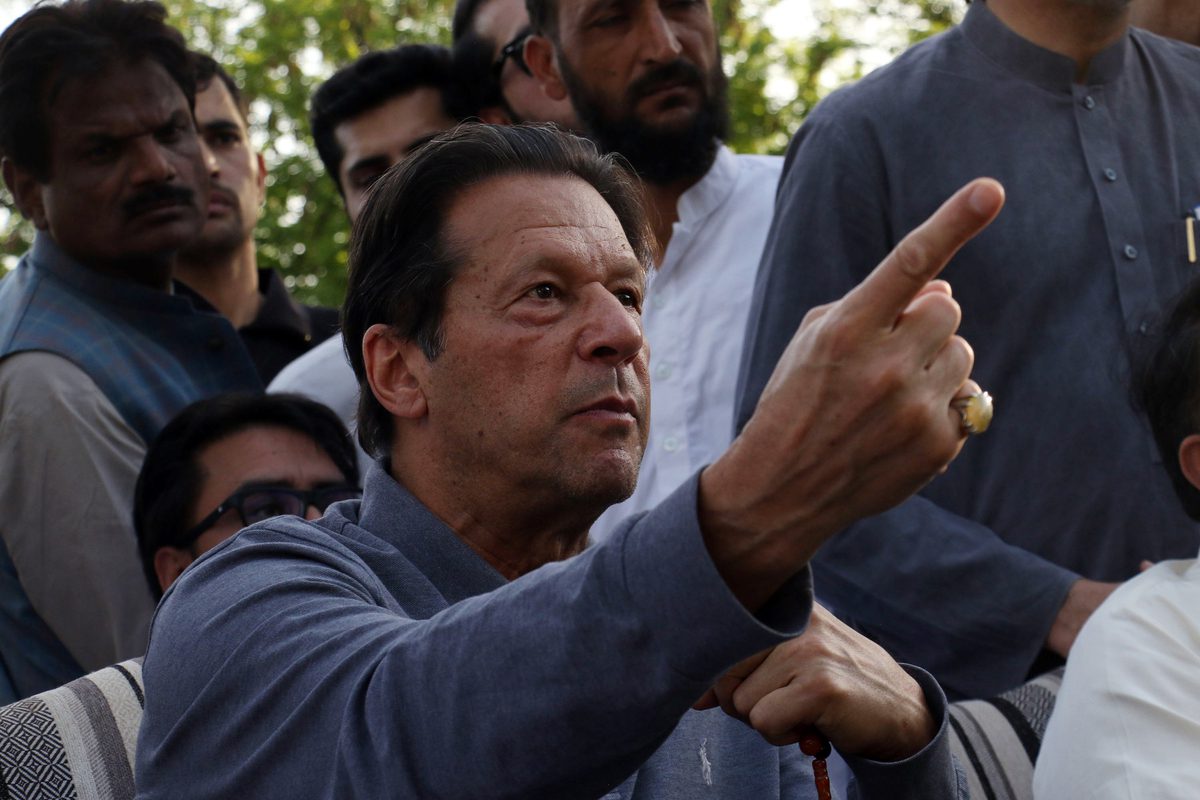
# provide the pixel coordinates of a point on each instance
(369, 82)
(52, 45)
(464, 16)
(1168, 389)
(543, 17)
(170, 482)
(206, 68)
(476, 86)
(400, 264)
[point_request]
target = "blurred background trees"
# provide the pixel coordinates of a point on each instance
(782, 56)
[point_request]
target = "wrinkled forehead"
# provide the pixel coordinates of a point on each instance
(121, 100)
(516, 223)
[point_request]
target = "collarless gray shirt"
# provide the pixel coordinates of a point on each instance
(372, 653)
(1091, 246)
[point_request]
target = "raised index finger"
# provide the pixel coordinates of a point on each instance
(921, 255)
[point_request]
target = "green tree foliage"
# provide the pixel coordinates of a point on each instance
(281, 50)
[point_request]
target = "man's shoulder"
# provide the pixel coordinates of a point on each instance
(917, 74)
(322, 321)
(1171, 50)
(324, 361)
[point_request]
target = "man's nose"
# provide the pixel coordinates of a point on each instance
(210, 160)
(612, 332)
(659, 42)
(152, 163)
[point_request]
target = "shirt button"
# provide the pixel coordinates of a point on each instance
(1110, 174)
(215, 344)
(1144, 328)
(670, 444)
(662, 371)
(1130, 252)
(1089, 102)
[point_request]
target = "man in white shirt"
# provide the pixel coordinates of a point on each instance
(646, 81)
(1127, 720)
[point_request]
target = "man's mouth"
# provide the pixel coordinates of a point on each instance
(612, 407)
(220, 201)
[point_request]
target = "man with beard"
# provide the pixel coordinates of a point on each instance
(646, 82)
(221, 265)
(96, 352)
(1091, 126)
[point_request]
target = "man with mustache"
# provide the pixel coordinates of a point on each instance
(645, 80)
(221, 264)
(452, 635)
(100, 153)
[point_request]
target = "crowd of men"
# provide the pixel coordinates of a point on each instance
(474, 558)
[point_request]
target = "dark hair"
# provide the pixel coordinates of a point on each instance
(543, 17)
(1168, 390)
(171, 479)
(205, 68)
(52, 45)
(369, 82)
(464, 16)
(476, 86)
(400, 266)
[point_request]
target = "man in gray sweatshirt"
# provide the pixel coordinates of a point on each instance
(451, 635)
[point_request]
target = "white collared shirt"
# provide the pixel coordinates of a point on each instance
(695, 319)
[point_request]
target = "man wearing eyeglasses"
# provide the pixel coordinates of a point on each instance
(489, 54)
(231, 461)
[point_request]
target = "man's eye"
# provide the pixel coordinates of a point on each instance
(365, 182)
(627, 298)
(544, 291)
(609, 21)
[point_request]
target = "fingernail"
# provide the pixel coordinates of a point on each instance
(982, 199)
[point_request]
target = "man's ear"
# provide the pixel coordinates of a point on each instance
(1189, 459)
(543, 63)
(396, 369)
(261, 182)
(27, 193)
(494, 115)
(169, 564)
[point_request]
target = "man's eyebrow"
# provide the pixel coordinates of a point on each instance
(426, 139)
(368, 161)
(220, 126)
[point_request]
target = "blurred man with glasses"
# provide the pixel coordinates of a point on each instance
(489, 56)
(230, 461)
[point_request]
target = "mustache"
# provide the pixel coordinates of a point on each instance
(156, 196)
(677, 72)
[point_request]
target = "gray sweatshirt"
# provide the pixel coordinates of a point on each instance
(372, 653)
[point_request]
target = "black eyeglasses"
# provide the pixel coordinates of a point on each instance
(256, 503)
(516, 51)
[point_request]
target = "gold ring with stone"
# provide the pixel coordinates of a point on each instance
(976, 412)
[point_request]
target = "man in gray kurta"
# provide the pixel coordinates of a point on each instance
(449, 636)
(1097, 150)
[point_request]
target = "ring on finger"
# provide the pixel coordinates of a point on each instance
(976, 411)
